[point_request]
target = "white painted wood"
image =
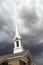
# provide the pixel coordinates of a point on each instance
(17, 38)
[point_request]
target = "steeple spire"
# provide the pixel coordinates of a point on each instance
(17, 32)
(17, 41)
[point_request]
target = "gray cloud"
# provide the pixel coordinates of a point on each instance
(32, 22)
(29, 16)
(5, 30)
(37, 57)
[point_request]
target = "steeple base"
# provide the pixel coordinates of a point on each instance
(18, 50)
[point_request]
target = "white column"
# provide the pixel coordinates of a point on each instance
(15, 44)
(19, 43)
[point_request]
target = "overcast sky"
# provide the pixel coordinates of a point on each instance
(28, 14)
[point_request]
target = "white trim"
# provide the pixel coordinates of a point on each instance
(17, 57)
(25, 54)
(21, 58)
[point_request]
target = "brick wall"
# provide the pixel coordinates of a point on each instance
(17, 62)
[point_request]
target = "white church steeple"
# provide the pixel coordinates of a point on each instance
(17, 42)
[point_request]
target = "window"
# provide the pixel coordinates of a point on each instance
(17, 43)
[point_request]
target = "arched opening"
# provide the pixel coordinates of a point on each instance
(17, 42)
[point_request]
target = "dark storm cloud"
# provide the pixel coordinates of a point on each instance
(30, 19)
(39, 58)
(33, 22)
(7, 48)
(33, 44)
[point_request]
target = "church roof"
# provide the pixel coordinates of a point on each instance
(15, 56)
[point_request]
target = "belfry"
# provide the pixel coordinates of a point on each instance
(17, 41)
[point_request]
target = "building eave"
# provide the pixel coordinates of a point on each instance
(18, 58)
(15, 58)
